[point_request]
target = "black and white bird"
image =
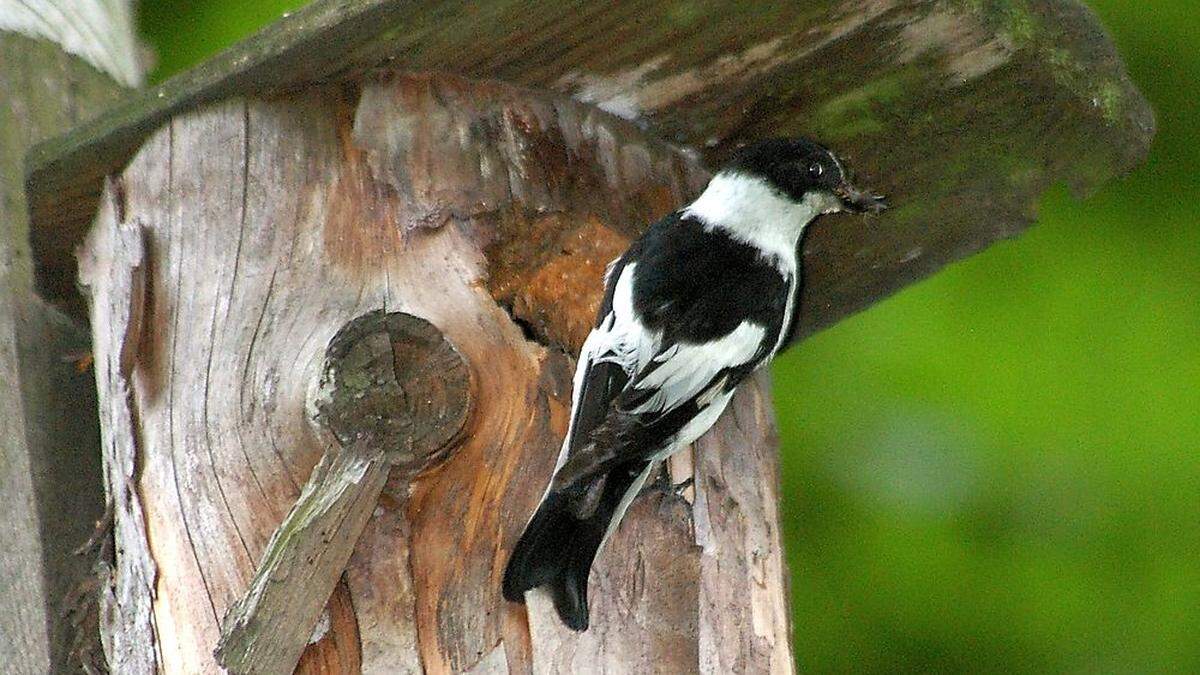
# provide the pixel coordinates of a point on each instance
(705, 297)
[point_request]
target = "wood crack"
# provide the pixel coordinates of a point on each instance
(180, 497)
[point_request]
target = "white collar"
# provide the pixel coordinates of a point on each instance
(749, 210)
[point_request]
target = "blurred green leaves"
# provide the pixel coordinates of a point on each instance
(997, 469)
(184, 32)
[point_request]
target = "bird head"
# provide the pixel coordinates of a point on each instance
(804, 171)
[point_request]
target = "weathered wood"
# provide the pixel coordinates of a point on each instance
(334, 645)
(745, 596)
(947, 105)
(112, 267)
(393, 385)
(394, 394)
(267, 630)
(488, 211)
(50, 476)
(66, 174)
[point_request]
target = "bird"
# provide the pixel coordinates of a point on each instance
(706, 296)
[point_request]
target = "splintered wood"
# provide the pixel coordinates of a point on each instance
(112, 268)
(489, 212)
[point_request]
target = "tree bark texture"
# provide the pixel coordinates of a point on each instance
(488, 211)
(49, 440)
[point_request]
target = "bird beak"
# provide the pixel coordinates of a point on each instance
(857, 201)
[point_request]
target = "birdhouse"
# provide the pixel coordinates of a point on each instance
(336, 278)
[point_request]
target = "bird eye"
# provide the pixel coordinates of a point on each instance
(815, 170)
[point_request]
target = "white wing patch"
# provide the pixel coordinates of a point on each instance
(684, 370)
(698, 425)
(620, 338)
(680, 372)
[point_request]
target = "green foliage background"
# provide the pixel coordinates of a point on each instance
(999, 468)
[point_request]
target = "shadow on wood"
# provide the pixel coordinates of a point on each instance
(946, 106)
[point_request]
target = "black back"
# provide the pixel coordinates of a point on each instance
(697, 286)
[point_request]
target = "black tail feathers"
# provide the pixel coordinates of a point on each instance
(559, 544)
(547, 555)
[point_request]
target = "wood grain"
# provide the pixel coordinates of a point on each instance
(323, 179)
(270, 224)
(394, 393)
(112, 267)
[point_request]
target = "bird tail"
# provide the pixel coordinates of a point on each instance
(562, 539)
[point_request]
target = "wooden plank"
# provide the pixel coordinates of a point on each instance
(266, 631)
(65, 174)
(49, 457)
(947, 106)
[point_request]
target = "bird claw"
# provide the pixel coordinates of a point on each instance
(663, 484)
(683, 486)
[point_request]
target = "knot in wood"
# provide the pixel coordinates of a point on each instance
(392, 383)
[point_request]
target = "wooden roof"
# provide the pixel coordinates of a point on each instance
(962, 113)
